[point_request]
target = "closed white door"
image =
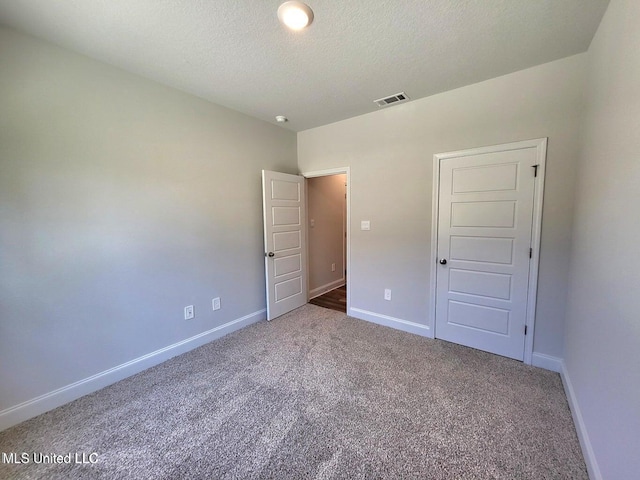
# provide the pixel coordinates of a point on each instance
(485, 215)
(283, 201)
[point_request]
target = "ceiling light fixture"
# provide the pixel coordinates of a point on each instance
(281, 119)
(295, 15)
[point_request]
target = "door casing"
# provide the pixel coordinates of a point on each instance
(541, 148)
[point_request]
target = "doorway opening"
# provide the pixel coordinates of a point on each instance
(328, 238)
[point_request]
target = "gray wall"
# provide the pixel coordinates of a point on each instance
(390, 153)
(326, 206)
(602, 352)
(121, 202)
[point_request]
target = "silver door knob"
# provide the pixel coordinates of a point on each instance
(443, 261)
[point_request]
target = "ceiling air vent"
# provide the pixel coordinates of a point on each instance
(397, 98)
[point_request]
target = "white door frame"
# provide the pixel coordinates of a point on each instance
(325, 173)
(541, 145)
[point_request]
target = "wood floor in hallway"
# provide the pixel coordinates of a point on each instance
(335, 299)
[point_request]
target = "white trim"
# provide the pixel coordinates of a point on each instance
(18, 413)
(347, 172)
(435, 195)
(387, 321)
(532, 295)
(581, 428)
(326, 173)
(547, 362)
(316, 292)
(541, 145)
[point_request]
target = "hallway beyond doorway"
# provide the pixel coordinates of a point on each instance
(336, 299)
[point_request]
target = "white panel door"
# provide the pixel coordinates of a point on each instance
(283, 202)
(485, 215)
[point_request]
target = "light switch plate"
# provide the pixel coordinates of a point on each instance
(365, 225)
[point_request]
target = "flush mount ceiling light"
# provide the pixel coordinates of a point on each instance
(295, 15)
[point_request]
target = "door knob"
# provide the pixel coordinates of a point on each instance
(443, 261)
(271, 254)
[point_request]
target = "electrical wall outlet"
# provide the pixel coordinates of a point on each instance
(189, 312)
(216, 303)
(333, 267)
(387, 294)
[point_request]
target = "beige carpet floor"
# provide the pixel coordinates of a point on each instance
(314, 394)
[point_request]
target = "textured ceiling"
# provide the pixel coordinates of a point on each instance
(235, 53)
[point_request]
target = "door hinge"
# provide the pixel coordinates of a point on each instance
(525, 329)
(531, 253)
(535, 170)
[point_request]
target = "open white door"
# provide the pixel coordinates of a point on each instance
(283, 203)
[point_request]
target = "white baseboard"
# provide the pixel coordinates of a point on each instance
(581, 429)
(316, 292)
(387, 321)
(18, 413)
(548, 362)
